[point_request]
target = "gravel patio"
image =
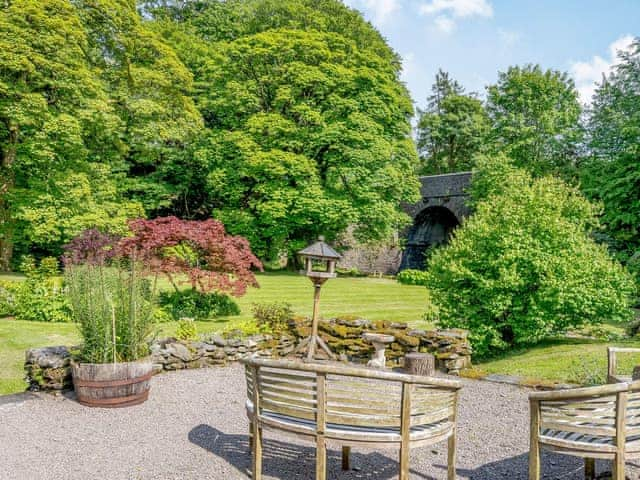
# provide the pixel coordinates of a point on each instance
(194, 427)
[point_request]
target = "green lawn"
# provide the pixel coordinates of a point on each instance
(376, 299)
(562, 360)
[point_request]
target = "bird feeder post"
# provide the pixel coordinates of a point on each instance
(326, 258)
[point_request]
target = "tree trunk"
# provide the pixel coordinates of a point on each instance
(420, 364)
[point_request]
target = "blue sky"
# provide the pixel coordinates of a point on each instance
(474, 39)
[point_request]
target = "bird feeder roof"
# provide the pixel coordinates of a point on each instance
(320, 251)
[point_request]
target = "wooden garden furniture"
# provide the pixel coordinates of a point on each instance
(593, 422)
(340, 405)
(612, 364)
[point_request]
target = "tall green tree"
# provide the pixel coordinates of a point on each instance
(524, 266)
(535, 119)
(150, 89)
(52, 105)
(612, 172)
(452, 129)
(307, 132)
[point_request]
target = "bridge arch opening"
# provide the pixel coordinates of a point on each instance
(432, 227)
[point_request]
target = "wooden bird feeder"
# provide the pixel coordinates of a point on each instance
(319, 265)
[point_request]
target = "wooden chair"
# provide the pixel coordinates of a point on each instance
(594, 422)
(344, 406)
(612, 364)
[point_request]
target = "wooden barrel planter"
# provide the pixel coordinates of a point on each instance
(112, 385)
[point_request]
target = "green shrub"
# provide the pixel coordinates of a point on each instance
(40, 297)
(114, 309)
(8, 291)
(272, 316)
(186, 329)
(524, 267)
(245, 328)
(198, 305)
(633, 327)
(412, 277)
(160, 315)
(587, 372)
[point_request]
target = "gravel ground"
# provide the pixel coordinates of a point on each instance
(194, 427)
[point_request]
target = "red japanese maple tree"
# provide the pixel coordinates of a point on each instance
(200, 250)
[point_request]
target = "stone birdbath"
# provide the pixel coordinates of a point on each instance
(380, 342)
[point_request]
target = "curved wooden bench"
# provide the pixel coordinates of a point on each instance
(594, 422)
(344, 406)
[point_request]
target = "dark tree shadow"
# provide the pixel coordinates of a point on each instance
(285, 460)
(290, 460)
(554, 466)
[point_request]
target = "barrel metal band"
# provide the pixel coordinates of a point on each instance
(112, 383)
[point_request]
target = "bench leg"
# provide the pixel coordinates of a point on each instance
(251, 436)
(618, 468)
(256, 451)
(451, 456)
(321, 459)
(404, 461)
(534, 459)
(589, 469)
(346, 458)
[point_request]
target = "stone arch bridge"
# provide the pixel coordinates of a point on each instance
(442, 208)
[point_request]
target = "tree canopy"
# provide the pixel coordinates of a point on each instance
(612, 172)
(452, 130)
(535, 117)
(307, 131)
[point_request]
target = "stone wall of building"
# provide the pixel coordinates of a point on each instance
(49, 368)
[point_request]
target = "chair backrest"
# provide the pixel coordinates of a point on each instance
(608, 411)
(350, 396)
(612, 363)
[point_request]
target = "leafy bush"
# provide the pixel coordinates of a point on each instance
(412, 277)
(523, 267)
(91, 247)
(8, 291)
(245, 328)
(201, 251)
(114, 309)
(587, 372)
(186, 329)
(272, 316)
(633, 327)
(160, 315)
(40, 297)
(198, 305)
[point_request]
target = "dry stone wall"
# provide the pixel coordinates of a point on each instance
(49, 368)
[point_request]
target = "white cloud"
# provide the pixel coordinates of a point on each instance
(447, 11)
(587, 74)
(380, 10)
(458, 8)
(444, 24)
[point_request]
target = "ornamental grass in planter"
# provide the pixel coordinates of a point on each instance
(112, 296)
(113, 306)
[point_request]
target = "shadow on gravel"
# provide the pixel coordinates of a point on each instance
(289, 460)
(554, 466)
